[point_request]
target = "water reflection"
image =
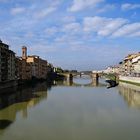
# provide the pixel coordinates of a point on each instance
(81, 82)
(131, 94)
(64, 110)
(5, 123)
(19, 99)
(16, 100)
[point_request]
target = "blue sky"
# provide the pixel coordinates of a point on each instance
(73, 34)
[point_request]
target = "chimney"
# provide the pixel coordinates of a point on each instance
(24, 52)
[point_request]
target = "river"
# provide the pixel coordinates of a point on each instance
(63, 110)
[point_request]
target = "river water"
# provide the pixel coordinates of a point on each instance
(78, 110)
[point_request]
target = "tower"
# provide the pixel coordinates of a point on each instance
(24, 52)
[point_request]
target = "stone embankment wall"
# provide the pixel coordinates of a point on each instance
(8, 84)
(135, 80)
(130, 87)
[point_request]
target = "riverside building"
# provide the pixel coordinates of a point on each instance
(32, 66)
(7, 63)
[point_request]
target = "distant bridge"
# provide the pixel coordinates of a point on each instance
(90, 73)
(93, 74)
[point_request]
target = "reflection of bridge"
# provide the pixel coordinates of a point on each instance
(92, 84)
(74, 84)
(77, 73)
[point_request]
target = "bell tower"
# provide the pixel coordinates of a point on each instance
(24, 52)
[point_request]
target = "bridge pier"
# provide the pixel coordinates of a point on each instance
(69, 77)
(95, 79)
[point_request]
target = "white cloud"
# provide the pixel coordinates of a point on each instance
(17, 10)
(51, 31)
(105, 8)
(72, 27)
(112, 27)
(46, 8)
(29, 35)
(82, 4)
(68, 19)
(136, 34)
(103, 26)
(45, 12)
(128, 30)
(128, 6)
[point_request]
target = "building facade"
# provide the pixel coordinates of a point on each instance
(23, 69)
(38, 67)
(32, 66)
(7, 63)
(112, 70)
(130, 66)
(136, 65)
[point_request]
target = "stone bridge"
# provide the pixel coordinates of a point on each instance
(94, 76)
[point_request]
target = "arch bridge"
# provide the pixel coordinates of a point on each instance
(93, 74)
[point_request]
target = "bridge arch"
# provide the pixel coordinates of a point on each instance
(94, 76)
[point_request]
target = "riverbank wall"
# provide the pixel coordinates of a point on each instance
(8, 84)
(130, 80)
(12, 84)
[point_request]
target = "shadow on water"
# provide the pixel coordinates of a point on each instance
(131, 94)
(20, 99)
(22, 94)
(111, 83)
(5, 123)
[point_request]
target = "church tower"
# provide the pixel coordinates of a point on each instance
(24, 52)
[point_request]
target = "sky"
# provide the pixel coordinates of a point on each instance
(72, 34)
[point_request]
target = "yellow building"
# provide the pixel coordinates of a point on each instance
(136, 65)
(33, 66)
(38, 66)
(130, 65)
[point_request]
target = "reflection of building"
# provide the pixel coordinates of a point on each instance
(131, 94)
(20, 101)
(7, 63)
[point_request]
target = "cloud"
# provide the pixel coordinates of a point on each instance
(29, 35)
(72, 27)
(3, 0)
(43, 13)
(68, 19)
(128, 6)
(106, 8)
(111, 27)
(46, 8)
(131, 30)
(102, 26)
(79, 5)
(136, 34)
(17, 10)
(51, 31)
